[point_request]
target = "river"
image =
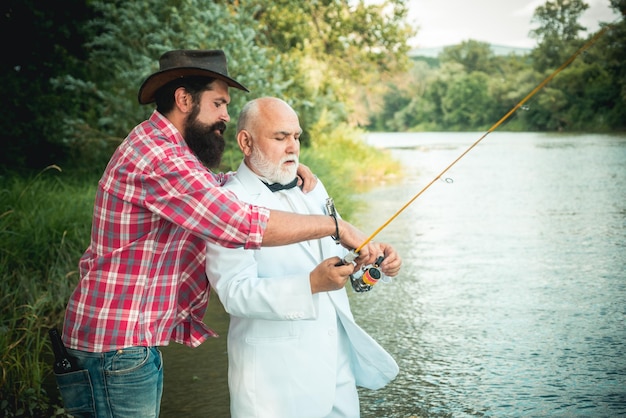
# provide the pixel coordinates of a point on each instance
(512, 296)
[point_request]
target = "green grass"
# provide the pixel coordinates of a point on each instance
(44, 228)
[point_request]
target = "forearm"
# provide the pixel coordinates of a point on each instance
(288, 228)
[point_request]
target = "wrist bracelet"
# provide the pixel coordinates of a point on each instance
(336, 236)
(330, 208)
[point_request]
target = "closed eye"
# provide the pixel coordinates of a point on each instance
(285, 136)
(220, 103)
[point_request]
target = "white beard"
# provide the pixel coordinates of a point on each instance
(272, 173)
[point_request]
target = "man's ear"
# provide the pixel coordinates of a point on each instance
(244, 139)
(183, 100)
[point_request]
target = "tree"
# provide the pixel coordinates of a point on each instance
(557, 34)
(472, 55)
(465, 101)
(592, 88)
(548, 111)
(611, 52)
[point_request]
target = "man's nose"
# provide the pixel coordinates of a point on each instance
(293, 144)
(224, 116)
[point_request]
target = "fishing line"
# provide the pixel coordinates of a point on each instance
(493, 128)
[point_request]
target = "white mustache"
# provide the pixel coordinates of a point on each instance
(289, 158)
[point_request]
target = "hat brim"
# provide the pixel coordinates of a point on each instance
(161, 78)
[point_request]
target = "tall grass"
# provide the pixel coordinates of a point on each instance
(44, 228)
(45, 223)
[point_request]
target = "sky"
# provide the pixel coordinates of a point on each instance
(498, 22)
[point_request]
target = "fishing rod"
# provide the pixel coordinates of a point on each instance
(361, 285)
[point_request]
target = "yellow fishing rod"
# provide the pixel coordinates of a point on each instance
(352, 255)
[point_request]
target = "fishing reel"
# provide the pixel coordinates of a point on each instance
(364, 279)
(368, 276)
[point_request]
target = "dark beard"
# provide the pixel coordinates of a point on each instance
(206, 141)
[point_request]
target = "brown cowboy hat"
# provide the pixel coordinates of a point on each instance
(185, 63)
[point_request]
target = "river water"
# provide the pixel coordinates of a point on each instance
(512, 296)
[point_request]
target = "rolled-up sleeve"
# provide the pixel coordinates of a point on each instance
(179, 191)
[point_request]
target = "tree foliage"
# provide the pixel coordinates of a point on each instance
(471, 89)
(557, 34)
(125, 50)
(345, 49)
(472, 55)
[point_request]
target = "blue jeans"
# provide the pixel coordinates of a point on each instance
(115, 384)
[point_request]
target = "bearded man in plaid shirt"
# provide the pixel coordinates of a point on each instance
(142, 278)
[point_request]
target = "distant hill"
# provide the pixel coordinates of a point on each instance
(497, 50)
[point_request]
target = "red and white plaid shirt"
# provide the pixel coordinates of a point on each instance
(143, 278)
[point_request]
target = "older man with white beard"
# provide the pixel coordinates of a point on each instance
(294, 348)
